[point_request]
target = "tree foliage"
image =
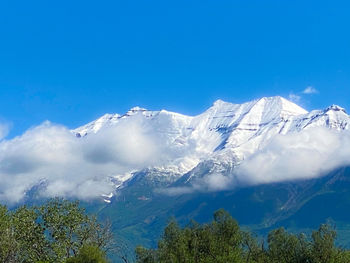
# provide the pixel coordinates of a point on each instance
(53, 232)
(60, 231)
(89, 254)
(222, 240)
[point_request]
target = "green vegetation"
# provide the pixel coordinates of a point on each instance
(300, 206)
(58, 231)
(61, 231)
(223, 241)
(89, 254)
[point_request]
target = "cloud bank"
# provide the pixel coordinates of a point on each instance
(50, 158)
(304, 155)
(308, 154)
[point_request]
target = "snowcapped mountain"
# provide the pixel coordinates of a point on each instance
(224, 135)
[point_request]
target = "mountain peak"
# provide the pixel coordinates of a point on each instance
(274, 102)
(219, 103)
(286, 106)
(137, 108)
(335, 108)
(134, 111)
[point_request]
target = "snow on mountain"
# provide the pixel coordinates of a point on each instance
(226, 133)
(224, 125)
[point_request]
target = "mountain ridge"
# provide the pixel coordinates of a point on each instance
(223, 136)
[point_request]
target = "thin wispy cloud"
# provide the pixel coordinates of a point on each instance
(298, 96)
(310, 90)
(294, 98)
(4, 129)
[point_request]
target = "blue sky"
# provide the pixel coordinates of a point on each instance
(71, 61)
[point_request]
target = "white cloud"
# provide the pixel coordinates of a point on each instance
(294, 98)
(4, 130)
(310, 90)
(211, 182)
(51, 158)
(62, 165)
(307, 154)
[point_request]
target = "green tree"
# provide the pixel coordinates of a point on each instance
(53, 232)
(8, 243)
(227, 243)
(69, 228)
(219, 241)
(89, 254)
(222, 240)
(284, 247)
(323, 245)
(146, 255)
(29, 234)
(254, 251)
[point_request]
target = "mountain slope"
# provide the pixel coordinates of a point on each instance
(139, 215)
(212, 147)
(219, 139)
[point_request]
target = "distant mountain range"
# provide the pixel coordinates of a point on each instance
(227, 157)
(216, 141)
